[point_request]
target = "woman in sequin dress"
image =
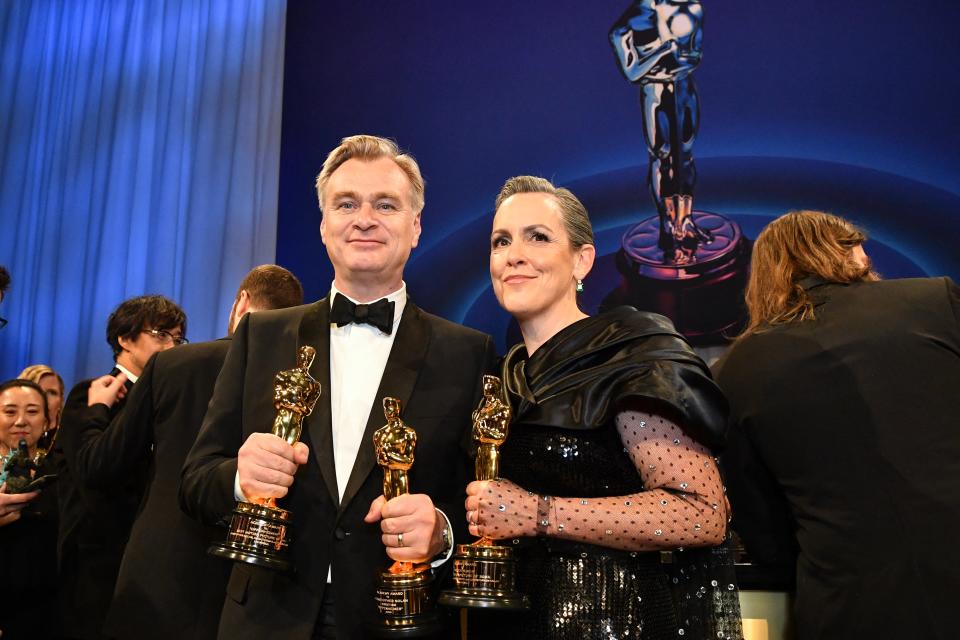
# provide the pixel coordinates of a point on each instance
(609, 492)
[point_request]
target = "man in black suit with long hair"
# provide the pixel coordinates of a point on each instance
(95, 523)
(168, 587)
(844, 454)
(371, 342)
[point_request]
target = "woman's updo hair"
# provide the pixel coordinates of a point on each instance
(575, 218)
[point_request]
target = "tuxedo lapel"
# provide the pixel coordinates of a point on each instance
(315, 331)
(399, 378)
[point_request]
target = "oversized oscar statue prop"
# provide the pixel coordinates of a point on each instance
(258, 529)
(403, 594)
(484, 573)
(686, 264)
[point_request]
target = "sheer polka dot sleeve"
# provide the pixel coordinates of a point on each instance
(683, 504)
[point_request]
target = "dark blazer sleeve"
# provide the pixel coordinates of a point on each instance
(953, 294)
(107, 451)
(761, 515)
(79, 419)
(206, 483)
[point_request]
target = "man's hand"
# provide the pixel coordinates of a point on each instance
(12, 503)
(266, 465)
(107, 390)
(412, 528)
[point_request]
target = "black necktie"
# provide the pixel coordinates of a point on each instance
(378, 314)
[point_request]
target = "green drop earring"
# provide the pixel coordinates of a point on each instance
(579, 286)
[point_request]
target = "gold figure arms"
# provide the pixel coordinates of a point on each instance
(295, 393)
(491, 423)
(395, 444)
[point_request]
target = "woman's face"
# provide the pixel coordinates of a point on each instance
(533, 267)
(21, 417)
(51, 387)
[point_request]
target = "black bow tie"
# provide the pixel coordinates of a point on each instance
(378, 314)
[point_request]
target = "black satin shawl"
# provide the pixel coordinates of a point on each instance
(580, 377)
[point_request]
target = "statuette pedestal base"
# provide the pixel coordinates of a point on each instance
(484, 577)
(258, 535)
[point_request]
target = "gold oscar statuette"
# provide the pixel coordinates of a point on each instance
(258, 528)
(403, 594)
(484, 573)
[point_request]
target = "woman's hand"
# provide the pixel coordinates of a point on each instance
(500, 510)
(12, 503)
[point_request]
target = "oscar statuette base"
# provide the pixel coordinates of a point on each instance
(484, 577)
(258, 535)
(405, 602)
(702, 296)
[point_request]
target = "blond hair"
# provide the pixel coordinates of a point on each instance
(364, 147)
(35, 372)
(795, 246)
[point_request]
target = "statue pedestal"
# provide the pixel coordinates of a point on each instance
(704, 295)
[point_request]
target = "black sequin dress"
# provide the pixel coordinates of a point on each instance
(563, 441)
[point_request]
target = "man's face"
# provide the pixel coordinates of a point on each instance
(369, 227)
(860, 257)
(138, 350)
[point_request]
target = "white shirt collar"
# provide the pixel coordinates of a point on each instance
(132, 378)
(398, 297)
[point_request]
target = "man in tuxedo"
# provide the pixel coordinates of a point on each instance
(372, 341)
(95, 523)
(843, 454)
(168, 587)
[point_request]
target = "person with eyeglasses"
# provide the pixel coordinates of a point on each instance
(95, 523)
(168, 586)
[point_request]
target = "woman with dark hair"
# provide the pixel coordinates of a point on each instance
(24, 417)
(608, 493)
(28, 537)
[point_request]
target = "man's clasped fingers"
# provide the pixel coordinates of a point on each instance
(408, 524)
(267, 465)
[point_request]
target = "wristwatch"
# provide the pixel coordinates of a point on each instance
(447, 541)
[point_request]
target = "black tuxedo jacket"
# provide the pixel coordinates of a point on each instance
(844, 456)
(94, 523)
(435, 368)
(168, 586)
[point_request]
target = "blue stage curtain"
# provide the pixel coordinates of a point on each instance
(139, 153)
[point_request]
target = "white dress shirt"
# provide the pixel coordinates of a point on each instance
(132, 378)
(358, 358)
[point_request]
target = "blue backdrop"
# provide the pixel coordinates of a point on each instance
(843, 106)
(139, 153)
(139, 140)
